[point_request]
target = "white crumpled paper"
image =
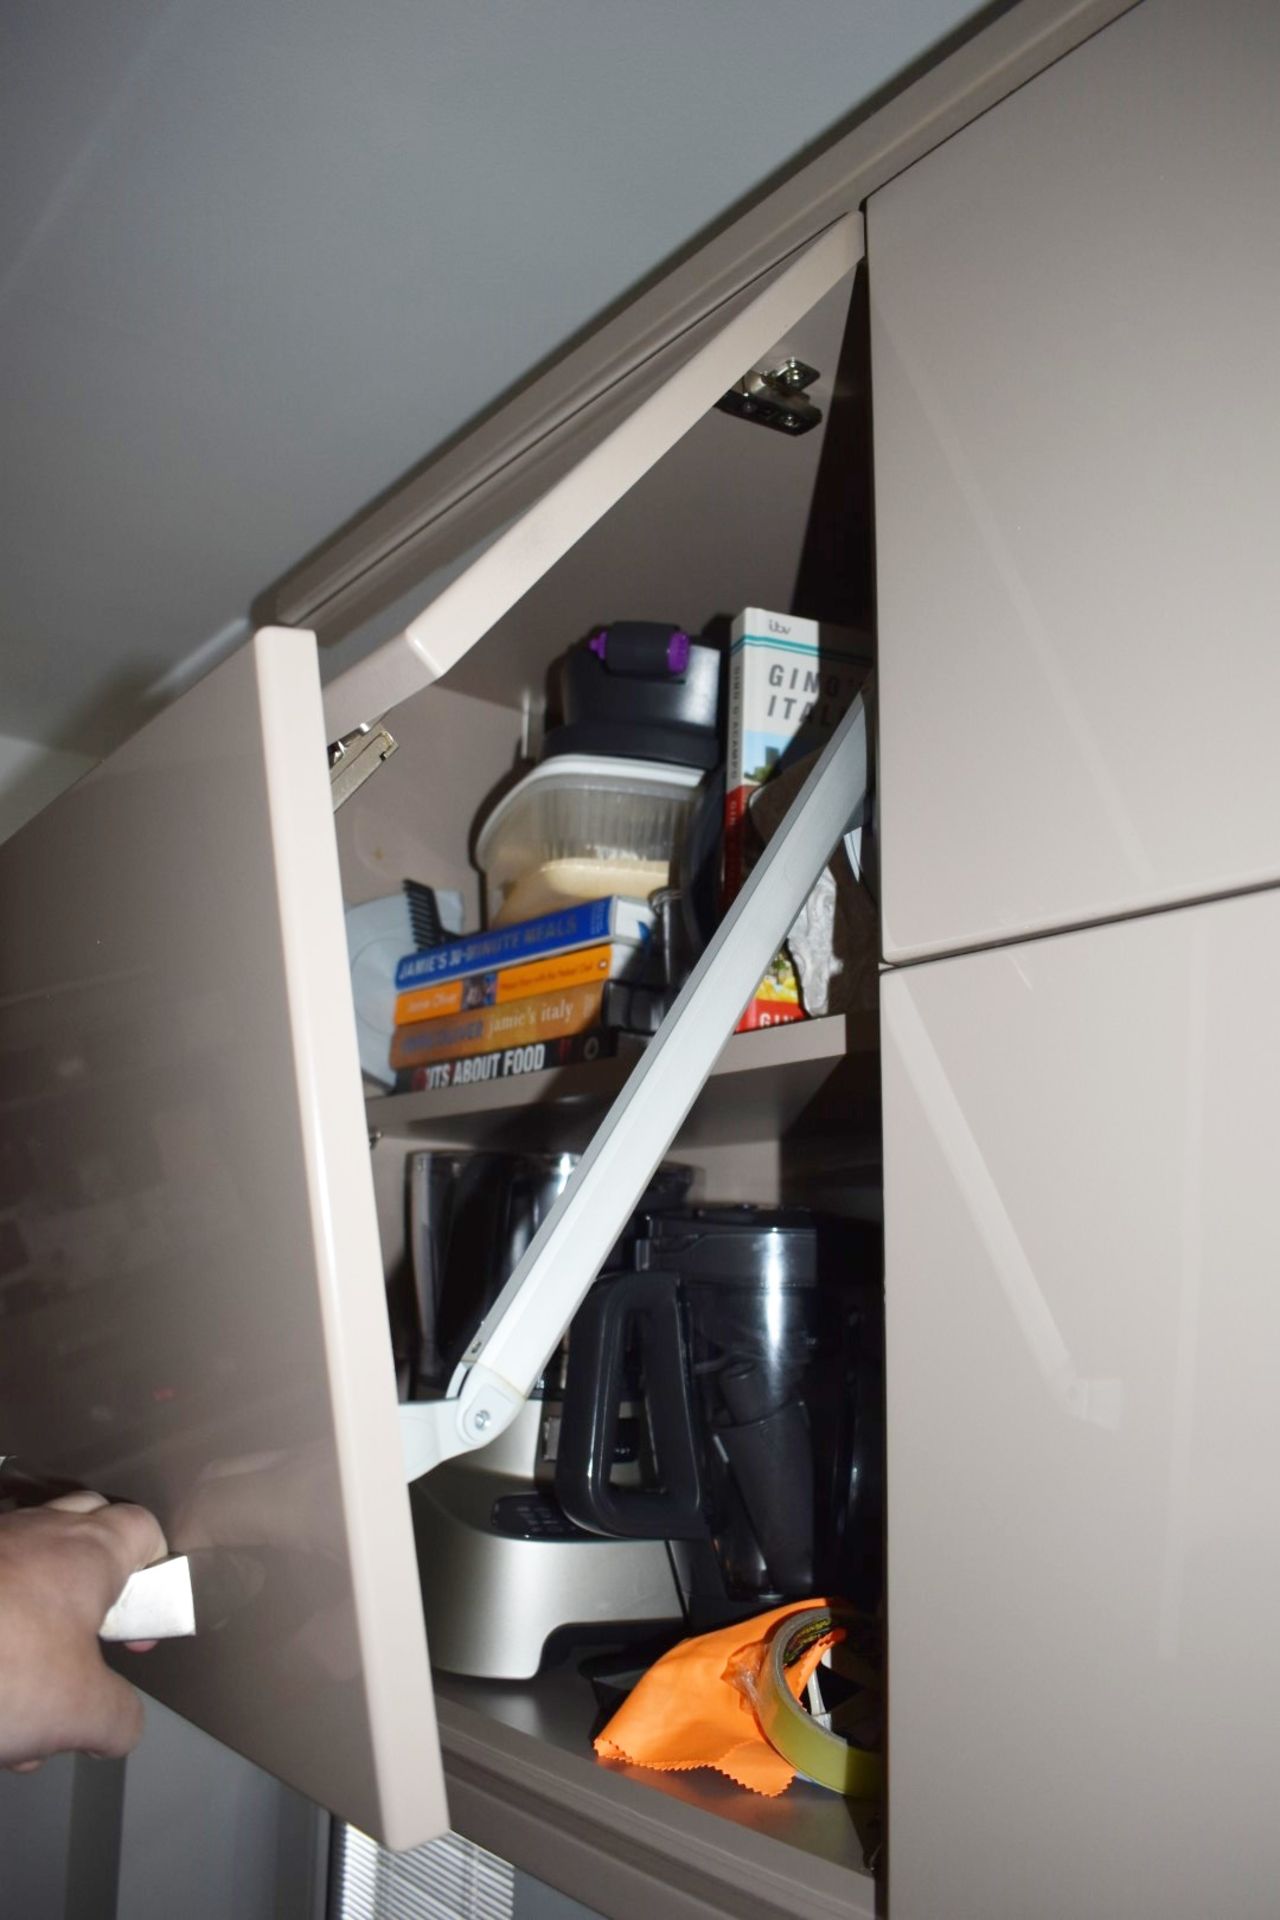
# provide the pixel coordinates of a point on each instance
(834, 942)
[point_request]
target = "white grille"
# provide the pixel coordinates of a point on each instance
(448, 1879)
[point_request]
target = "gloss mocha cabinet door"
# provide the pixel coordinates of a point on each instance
(1077, 411)
(191, 1283)
(191, 1299)
(1083, 1323)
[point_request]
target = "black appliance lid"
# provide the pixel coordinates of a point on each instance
(751, 1246)
(639, 689)
(761, 1247)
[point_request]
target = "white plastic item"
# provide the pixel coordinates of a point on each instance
(581, 827)
(156, 1603)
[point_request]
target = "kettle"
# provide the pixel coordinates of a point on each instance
(757, 1336)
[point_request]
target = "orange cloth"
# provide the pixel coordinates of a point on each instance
(690, 1709)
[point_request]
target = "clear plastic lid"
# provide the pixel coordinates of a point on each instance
(586, 807)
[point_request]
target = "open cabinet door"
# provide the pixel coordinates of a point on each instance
(191, 1282)
(470, 604)
(191, 1286)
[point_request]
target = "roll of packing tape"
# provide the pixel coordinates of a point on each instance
(810, 1747)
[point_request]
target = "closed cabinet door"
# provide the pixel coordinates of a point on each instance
(192, 1294)
(1083, 1325)
(1077, 409)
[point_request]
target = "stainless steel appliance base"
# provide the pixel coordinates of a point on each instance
(492, 1601)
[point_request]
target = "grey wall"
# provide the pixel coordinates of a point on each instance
(255, 261)
(35, 1827)
(206, 1836)
(199, 1834)
(184, 1830)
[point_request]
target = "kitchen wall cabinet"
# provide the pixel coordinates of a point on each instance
(1077, 420)
(190, 1196)
(1056, 655)
(1081, 1244)
(1078, 409)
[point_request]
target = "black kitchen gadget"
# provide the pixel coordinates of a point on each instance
(639, 689)
(757, 1336)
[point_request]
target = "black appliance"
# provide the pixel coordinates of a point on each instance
(642, 690)
(754, 1340)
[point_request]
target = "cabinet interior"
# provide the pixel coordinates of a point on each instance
(735, 515)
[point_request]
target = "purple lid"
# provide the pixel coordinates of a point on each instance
(678, 645)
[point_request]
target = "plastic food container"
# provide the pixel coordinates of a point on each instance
(580, 827)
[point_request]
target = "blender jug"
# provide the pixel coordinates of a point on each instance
(758, 1335)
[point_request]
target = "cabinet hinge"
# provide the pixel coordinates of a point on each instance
(775, 397)
(353, 758)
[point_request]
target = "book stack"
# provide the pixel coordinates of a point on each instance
(492, 1005)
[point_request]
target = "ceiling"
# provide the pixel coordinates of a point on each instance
(260, 257)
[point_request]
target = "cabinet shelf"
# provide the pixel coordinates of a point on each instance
(518, 1756)
(759, 1087)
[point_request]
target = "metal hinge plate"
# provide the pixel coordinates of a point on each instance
(353, 758)
(775, 397)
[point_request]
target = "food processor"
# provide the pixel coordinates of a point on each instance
(509, 1571)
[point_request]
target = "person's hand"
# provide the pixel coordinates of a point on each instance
(61, 1567)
